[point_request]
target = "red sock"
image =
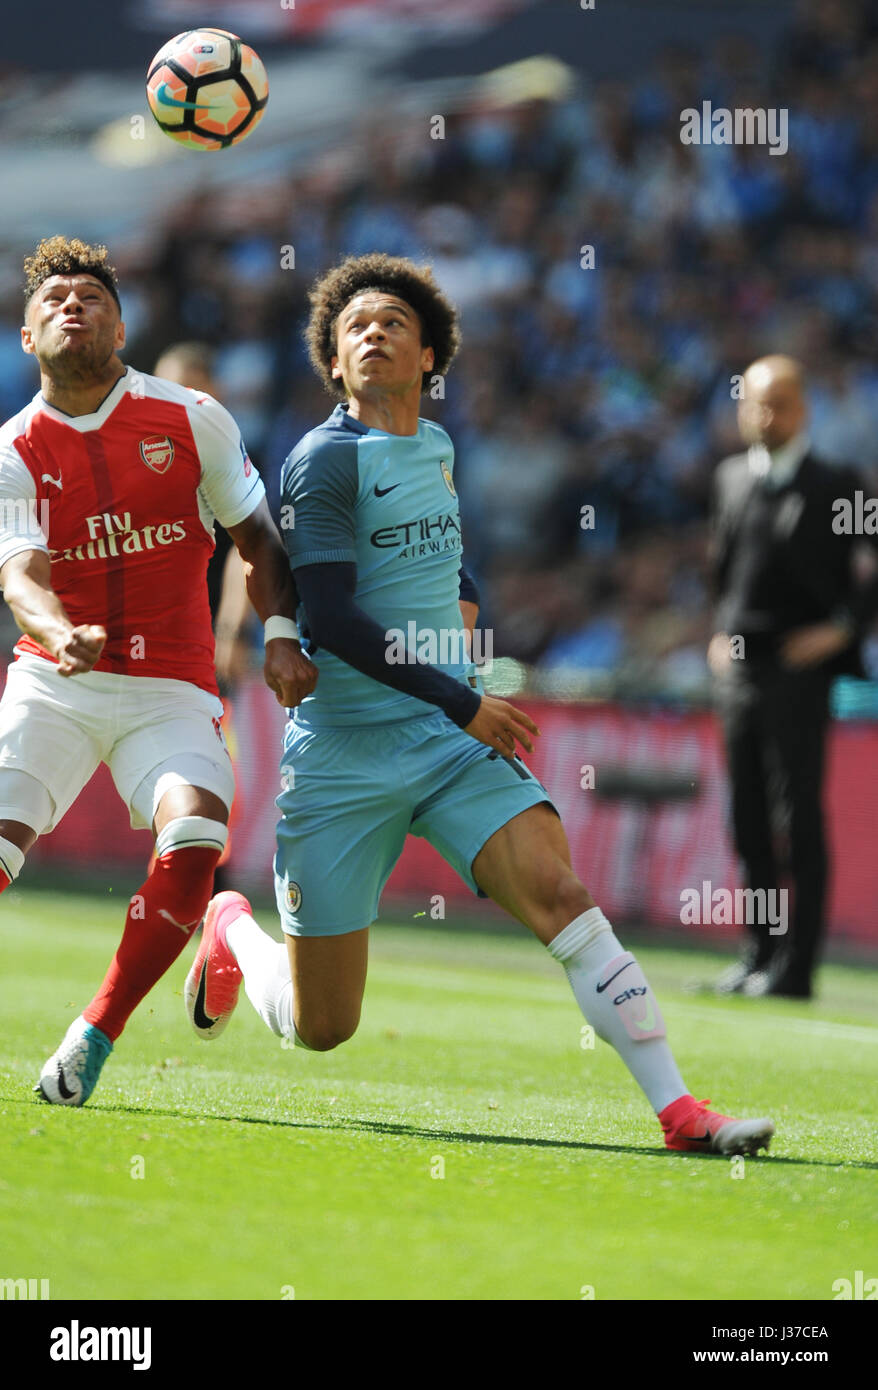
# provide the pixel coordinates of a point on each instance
(4, 881)
(161, 917)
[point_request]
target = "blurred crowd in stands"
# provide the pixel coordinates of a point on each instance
(610, 386)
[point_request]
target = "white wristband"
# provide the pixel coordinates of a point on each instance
(281, 627)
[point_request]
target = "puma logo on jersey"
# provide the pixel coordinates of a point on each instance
(185, 927)
(47, 478)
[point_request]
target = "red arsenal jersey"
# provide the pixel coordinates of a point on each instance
(124, 501)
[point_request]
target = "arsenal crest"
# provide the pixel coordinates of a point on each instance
(446, 474)
(157, 452)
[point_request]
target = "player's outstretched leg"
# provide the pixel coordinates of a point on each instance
(161, 917)
(617, 1000)
(525, 867)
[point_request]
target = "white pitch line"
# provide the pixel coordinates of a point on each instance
(542, 991)
(843, 1032)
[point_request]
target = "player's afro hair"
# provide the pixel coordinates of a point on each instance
(58, 255)
(389, 275)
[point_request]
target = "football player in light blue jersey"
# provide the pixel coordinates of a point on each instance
(397, 738)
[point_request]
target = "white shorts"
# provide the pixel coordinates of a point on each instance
(152, 734)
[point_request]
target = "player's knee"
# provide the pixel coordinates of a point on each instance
(571, 897)
(188, 850)
(555, 898)
(325, 1034)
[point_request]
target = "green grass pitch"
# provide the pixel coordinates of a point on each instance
(463, 1145)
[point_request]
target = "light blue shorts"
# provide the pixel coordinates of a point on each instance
(351, 795)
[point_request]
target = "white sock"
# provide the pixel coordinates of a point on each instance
(265, 966)
(11, 859)
(619, 1004)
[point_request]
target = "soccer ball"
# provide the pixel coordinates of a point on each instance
(207, 89)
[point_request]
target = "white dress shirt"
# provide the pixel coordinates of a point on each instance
(778, 466)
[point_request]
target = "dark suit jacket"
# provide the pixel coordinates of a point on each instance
(808, 547)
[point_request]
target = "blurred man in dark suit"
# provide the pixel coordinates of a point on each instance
(789, 618)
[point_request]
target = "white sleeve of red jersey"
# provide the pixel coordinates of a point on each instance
(230, 485)
(20, 514)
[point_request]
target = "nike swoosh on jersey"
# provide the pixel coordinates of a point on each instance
(202, 1020)
(164, 99)
(383, 491)
(599, 989)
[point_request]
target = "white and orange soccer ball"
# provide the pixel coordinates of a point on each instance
(207, 89)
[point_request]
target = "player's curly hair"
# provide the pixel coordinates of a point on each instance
(390, 275)
(60, 255)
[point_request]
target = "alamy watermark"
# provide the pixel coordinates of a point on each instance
(744, 126)
(24, 1289)
(859, 1288)
(25, 516)
(76, 1343)
(855, 517)
(725, 908)
(444, 646)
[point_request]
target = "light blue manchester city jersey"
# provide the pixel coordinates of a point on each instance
(387, 503)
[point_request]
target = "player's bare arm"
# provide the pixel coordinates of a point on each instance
(287, 670)
(232, 647)
(36, 608)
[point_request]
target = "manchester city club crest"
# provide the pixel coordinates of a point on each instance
(294, 896)
(157, 452)
(446, 474)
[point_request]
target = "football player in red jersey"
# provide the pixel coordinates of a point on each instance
(110, 481)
